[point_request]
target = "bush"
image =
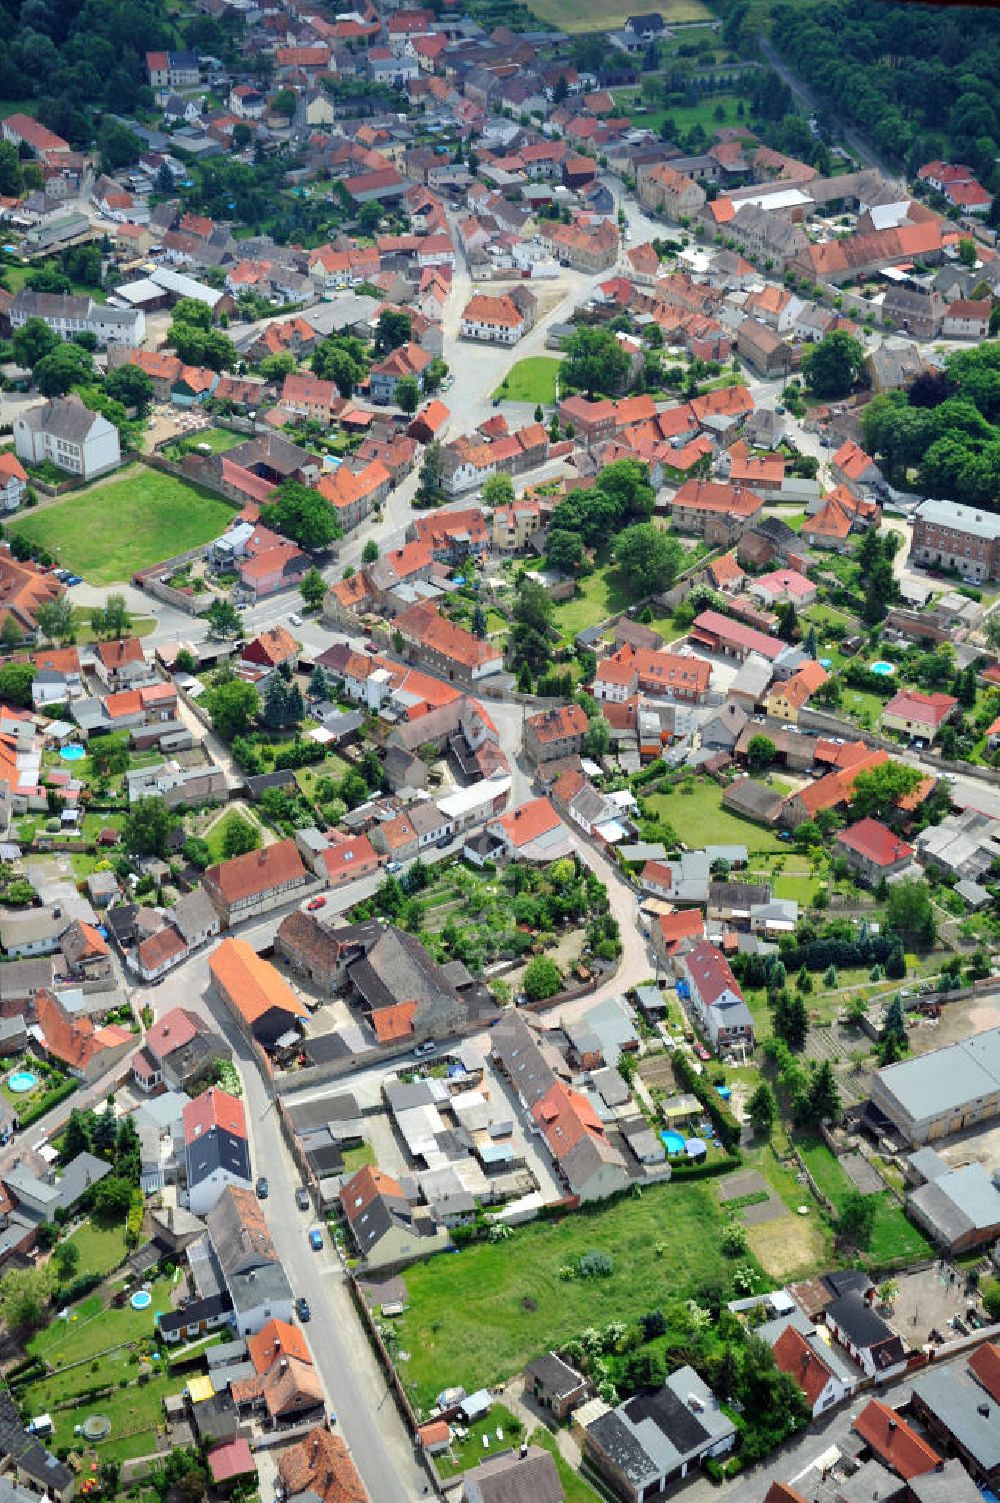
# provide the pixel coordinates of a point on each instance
(596, 1265)
(46, 1103)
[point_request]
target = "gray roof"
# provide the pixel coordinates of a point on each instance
(218, 1149)
(954, 1204)
(512, 1478)
(66, 418)
(956, 1401)
(929, 1164)
(261, 1286)
(192, 913)
(945, 1080)
(984, 524)
(654, 1433)
(949, 1483)
(517, 1049)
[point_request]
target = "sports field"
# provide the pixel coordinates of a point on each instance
(135, 518)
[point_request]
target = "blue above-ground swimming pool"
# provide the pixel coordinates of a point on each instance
(22, 1081)
(141, 1299)
(72, 753)
(882, 668)
(672, 1141)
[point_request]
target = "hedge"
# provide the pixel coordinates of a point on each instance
(47, 1102)
(719, 1114)
(819, 954)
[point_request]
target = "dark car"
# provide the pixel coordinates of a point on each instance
(302, 1198)
(263, 1188)
(302, 1309)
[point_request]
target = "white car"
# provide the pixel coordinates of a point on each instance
(294, 620)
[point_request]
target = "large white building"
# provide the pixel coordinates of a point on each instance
(68, 434)
(935, 1095)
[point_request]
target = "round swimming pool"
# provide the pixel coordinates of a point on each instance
(882, 668)
(22, 1081)
(672, 1141)
(141, 1299)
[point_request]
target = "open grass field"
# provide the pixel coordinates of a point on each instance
(216, 837)
(477, 1316)
(531, 380)
(684, 116)
(15, 278)
(894, 1236)
(603, 15)
(699, 819)
(128, 522)
(134, 1413)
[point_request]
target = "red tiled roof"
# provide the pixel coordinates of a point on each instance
(984, 1365)
(875, 842)
(794, 1355)
(253, 984)
(395, 1022)
(893, 1441)
(925, 709)
(257, 872)
(529, 821)
(214, 1108)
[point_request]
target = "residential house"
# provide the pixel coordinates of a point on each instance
(410, 361)
(668, 192)
(527, 1475)
(788, 698)
(531, 832)
(716, 1000)
(216, 1148)
(69, 435)
(250, 885)
(948, 535)
(558, 732)
(13, 482)
(658, 1436)
(86, 1051)
(917, 715)
(666, 675)
(959, 1408)
(822, 1377)
(386, 1229)
(717, 512)
(586, 1159)
(873, 851)
(893, 1442)
(256, 994)
(867, 1338)
(967, 319)
(444, 646)
(320, 1464)
(285, 1388)
(496, 320)
(250, 1266)
(555, 1385)
(763, 348)
(180, 1049)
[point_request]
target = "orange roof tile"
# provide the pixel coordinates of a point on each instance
(252, 983)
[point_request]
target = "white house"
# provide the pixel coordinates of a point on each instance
(68, 434)
(13, 482)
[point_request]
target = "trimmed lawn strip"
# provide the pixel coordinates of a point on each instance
(136, 518)
(575, 1489)
(93, 1327)
(101, 1248)
(469, 1452)
(137, 1408)
(477, 1316)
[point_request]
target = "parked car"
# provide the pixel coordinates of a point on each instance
(302, 1309)
(315, 903)
(294, 620)
(302, 1198)
(263, 1188)
(394, 866)
(316, 1239)
(422, 1050)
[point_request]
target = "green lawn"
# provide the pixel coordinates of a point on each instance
(699, 819)
(118, 526)
(894, 1236)
(684, 116)
(16, 277)
(606, 15)
(477, 1316)
(471, 1451)
(216, 837)
(801, 889)
(331, 767)
(217, 439)
(597, 597)
(94, 1325)
(134, 1413)
(356, 1158)
(575, 1490)
(101, 1248)
(531, 380)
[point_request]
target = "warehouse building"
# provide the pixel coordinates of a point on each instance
(937, 1094)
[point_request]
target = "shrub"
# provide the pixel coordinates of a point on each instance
(596, 1265)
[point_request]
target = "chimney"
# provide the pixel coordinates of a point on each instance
(283, 1365)
(892, 1426)
(984, 1410)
